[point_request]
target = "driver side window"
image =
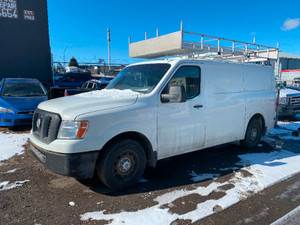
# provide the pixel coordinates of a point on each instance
(189, 77)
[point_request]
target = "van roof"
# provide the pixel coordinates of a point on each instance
(174, 61)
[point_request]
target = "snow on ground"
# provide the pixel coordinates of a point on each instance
(284, 131)
(11, 144)
(266, 169)
(289, 126)
(6, 185)
(263, 170)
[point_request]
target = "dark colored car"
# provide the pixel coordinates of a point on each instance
(289, 102)
(73, 80)
(89, 86)
(19, 97)
(106, 80)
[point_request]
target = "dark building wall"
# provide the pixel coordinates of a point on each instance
(24, 43)
(290, 64)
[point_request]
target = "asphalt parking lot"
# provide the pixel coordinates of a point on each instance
(221, 185)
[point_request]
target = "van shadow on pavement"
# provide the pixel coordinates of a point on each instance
(177, 171)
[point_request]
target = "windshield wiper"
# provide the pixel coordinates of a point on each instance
(8, 95)
(32, 95)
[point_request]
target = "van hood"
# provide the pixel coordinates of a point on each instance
(71, 107)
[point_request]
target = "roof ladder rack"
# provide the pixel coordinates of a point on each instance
(193, 45)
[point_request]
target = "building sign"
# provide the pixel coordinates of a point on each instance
(29, 15)
(9, 9)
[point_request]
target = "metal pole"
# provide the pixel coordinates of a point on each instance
(65, 55)
(108, 42)
(145, 35)
(181, 26)
(157, 34)
(278, 76)
(278, 93)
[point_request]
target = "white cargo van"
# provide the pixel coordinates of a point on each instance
(151, 111)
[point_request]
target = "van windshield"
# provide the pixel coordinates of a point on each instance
(140, 78)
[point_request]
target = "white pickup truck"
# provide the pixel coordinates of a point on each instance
(150, 111)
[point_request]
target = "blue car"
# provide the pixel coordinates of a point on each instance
(19, 97)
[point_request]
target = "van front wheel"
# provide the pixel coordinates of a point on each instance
(253, 134)
(122, 164)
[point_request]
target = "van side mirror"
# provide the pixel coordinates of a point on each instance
(176, 94)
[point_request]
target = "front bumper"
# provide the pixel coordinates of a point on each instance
(77, 165)
(11, 119)
(288, 110)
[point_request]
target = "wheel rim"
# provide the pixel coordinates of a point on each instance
(124, 164)
(253, 134)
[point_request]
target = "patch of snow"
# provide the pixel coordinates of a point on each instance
(10, 171)
(203, 176)
(11, 144)
(72, 204)
(263, 170)
(6, 185)
(113, 93)
(289, 125)
(284, 131)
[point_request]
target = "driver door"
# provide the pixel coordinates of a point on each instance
(181, 125)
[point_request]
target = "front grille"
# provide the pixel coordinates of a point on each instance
(294, 100)
(45, 125)
(23, 121)
(6, 120)
(25, 112)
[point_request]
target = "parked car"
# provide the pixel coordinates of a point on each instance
(89, 86)
(18, 99)
(73, 80)
(151, 111)
(294, 87)
(289, 102)
(106, 80)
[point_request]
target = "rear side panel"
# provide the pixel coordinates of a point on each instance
(225, 102)
(259, 87)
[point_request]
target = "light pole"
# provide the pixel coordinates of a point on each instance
(65, 55)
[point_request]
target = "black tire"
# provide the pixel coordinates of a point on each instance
(253, 134)
(122, 164)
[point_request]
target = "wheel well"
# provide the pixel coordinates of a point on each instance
(260, 117)
(143, 141)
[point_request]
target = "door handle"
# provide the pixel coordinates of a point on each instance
(198, 106)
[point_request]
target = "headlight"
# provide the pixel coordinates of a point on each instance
(72, 129)
(5, 110)
(283, 100)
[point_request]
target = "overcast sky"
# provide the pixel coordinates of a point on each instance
(82, 25)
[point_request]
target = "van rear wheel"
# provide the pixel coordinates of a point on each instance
(253, 134)
(122, 164)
